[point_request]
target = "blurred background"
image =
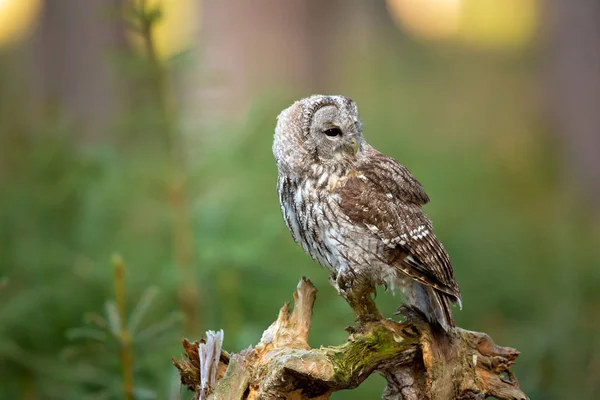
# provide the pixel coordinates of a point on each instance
(159, 151)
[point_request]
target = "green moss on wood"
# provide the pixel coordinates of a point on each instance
(364, 353)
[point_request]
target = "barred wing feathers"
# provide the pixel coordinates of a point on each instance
(382, 195)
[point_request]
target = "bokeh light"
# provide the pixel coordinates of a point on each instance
(177, 28)
(17, 19)
(480, 23)
(431, 19)
(506, 23)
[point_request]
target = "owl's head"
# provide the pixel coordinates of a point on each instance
(318, 129)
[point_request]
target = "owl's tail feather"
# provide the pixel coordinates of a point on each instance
(431, 303)
(442, 314)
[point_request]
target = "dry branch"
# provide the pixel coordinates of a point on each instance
(417, 362)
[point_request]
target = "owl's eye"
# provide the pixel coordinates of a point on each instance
(333, 132)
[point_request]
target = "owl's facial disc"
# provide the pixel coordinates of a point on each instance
(333, 134)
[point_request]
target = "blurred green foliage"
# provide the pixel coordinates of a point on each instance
(465, 123)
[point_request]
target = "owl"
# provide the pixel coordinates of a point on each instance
(357, 211)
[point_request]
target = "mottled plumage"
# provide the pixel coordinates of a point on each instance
(356, 211)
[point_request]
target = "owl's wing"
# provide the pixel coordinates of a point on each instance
(382, 195)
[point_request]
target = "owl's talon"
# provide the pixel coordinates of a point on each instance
(344, 282)
(333, 279)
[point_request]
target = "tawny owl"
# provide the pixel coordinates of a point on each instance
(357, 211)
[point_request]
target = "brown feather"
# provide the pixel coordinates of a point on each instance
(381, 194)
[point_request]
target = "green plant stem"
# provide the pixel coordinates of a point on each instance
(176, 188)
(125, 349)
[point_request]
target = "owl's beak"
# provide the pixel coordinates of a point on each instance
(354, 145)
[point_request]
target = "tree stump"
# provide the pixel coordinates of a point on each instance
(417, 361)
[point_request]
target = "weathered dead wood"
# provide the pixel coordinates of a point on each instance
(417, 362)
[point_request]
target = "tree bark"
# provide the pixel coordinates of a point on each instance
(252, 49)
(570, 38)
(417, 361)
(73, 43)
